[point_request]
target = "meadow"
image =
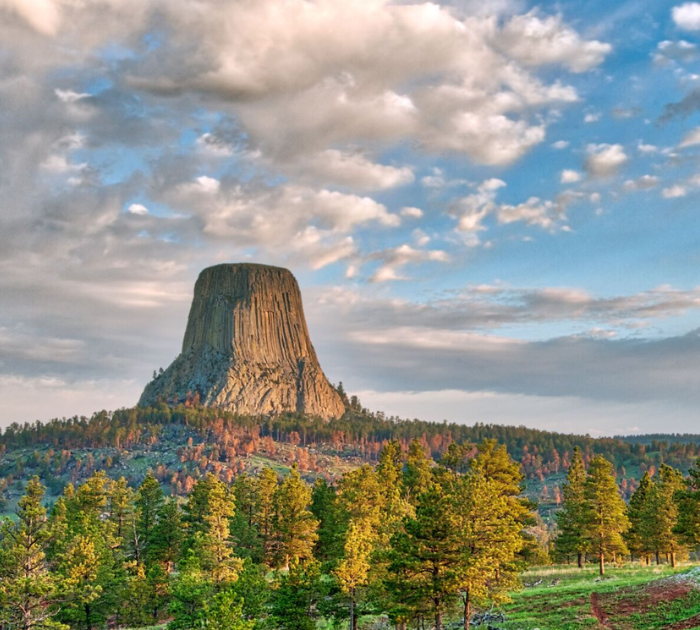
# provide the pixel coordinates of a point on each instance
(631, 597)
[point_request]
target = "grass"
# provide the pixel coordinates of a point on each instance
(628, 598)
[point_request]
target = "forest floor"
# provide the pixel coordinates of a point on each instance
(633, 597)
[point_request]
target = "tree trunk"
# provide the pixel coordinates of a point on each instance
(658, 560)
(601, 558)
(673, 559)
(467, 609)
(353, 622)
(580, 561)
(438, 618)
(648, 557)
(88, 620)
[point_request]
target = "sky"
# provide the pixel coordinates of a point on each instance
(491, 206)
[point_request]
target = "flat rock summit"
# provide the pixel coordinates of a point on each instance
(247, 348)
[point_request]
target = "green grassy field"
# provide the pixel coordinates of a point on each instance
(629, 598)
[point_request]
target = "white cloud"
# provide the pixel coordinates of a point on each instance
(449, 83)
(592, 117)
(646, 149)
(680, 50)
(569, 176)
(645, 182)
(394, 260)
(411, 212)
(675, 191)
(604, 160)
(41, 15)
(560, 144)
(137, 208)
(691, 139)
(536, 41)
(470, 211)
(354, 170)
(545, 214)
(687, 16)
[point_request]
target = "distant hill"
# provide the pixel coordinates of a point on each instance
(180, 444)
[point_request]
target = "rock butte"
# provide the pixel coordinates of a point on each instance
(247, 348)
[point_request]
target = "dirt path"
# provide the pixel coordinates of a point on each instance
(598, 612)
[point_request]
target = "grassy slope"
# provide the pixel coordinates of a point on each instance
(630, 598)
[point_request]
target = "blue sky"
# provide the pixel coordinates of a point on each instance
(491, 207)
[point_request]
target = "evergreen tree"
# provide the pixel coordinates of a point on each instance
(295, 524)
(606, 514)
(149, 500)
(244, 530)
(166, 537)
(265, 515)
(212, 541)
(688, 526)
(325, 508)
(295, 596)
(424, 558)
(636, 537)
(28, 591)
(660, 518)
(571, 517)
(489, 526)
(354, 569)
(417, 475)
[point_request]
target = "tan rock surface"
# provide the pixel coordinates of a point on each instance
(247, 347)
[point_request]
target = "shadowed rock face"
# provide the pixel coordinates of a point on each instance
(247, 348)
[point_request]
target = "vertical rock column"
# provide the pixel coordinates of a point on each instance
(247, 347)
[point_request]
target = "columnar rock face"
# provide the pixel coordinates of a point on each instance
(247, 347)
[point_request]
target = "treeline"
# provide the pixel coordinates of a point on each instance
(661, 520)
(409, 539)
(359, 432)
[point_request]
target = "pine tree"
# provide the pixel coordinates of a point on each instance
(660, 518)
(244, 530)
(295, 524)
(424, 558)
(490, 530)
(212, 540)
(149, 500)
(28, 591)
(166, 537)
(325, 508)
(354, 569)
(688, 526)
(570, 519)
(636, 536)
(121, 510)
(606, 514)
(295, 596)
(265, 516)
(417, 476)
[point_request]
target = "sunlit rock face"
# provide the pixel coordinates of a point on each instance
(247, 348)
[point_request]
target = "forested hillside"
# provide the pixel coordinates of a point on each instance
(403, 541)
(182, 443)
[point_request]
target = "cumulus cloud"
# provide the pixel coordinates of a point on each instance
(535, 41)
(680, 50)
(472, 210)
(569, 176)
(645, 182)
(353, 170)
(463, 85)
(674, 192)
(605, 160)
(687, 16)
(394, 260)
